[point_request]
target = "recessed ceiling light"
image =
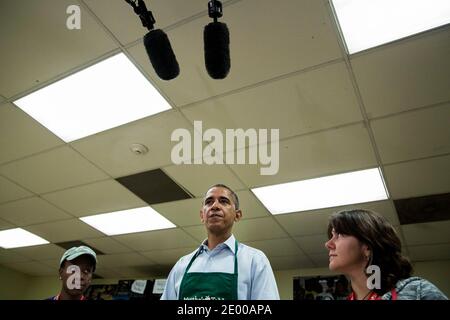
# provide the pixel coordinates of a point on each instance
(18, 237)
(108, 94)
(325, 192)
(369, 23)
(128, 221)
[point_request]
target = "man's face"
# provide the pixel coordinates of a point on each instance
(86, 269)
(218, 212)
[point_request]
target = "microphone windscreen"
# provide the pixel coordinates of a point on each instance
(161, 54)
(217, 49)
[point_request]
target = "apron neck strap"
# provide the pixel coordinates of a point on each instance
(235, 257)
(198, 253)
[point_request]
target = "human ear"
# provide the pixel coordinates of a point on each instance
(238, 215)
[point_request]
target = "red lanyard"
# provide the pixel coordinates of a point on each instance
(57, 297)
(373, 296)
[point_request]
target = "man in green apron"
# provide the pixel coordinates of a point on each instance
(221, 268)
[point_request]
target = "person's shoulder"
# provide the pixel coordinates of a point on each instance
(250, 251)
(418, 288)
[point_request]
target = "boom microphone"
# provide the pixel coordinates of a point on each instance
(217, 49)
(161, 54)
(156, 44)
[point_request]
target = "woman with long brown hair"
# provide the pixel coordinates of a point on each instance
(362, 243)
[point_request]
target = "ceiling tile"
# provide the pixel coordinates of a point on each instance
(321, 260)
(61, 49)
(6, 225)
(157, 240)
(411, 135)
(197, 232)
(290, 262)
(107, 245)
(418, 178)
(423, 209)
(120, 14)
(276, 247)
(430, 252)
(169, 256)
(188, 175)
(52, 263)
(426, 233)
(305, 223)
(250, 205)
(31, 211)
(315, 222)
(10, 191)
(306, 24)
(56, 169)
(258, 229)
(21, 135)
(9, 256)
(310, 101)
(314, 244)
(187, 212)
(123, 259)
(66, 230)
(154, 186)
(314, 155)
(66, 245)
(33, 268)
(181, 213)
(98, 197)
(41, 252)
(410, 74)
(110, 150)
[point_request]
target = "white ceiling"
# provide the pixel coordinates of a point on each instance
(388, 106)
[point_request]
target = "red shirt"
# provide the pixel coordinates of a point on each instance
(57, 297)
(373, 296)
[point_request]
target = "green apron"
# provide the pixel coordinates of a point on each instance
(210, 285)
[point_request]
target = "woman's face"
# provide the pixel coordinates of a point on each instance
(346, 253)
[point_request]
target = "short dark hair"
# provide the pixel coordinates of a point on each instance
(233, 194)
(375, 231)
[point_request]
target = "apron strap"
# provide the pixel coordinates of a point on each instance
(192, 260)
(235, 257)
(198, 253)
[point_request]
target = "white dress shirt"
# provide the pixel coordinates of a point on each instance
(255, 276)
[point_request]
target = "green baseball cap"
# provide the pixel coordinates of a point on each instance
(75, 252)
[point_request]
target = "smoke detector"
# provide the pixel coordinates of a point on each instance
(138, 149)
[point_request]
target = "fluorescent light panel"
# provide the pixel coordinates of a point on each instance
(128, 221)
(108, 94)
(18, 237)
(325, 192)
(369, 23)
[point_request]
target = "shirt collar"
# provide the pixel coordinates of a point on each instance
(229, 243)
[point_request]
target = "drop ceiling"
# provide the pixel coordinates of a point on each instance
(388, 106)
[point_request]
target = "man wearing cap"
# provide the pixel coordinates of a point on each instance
(76, 268)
